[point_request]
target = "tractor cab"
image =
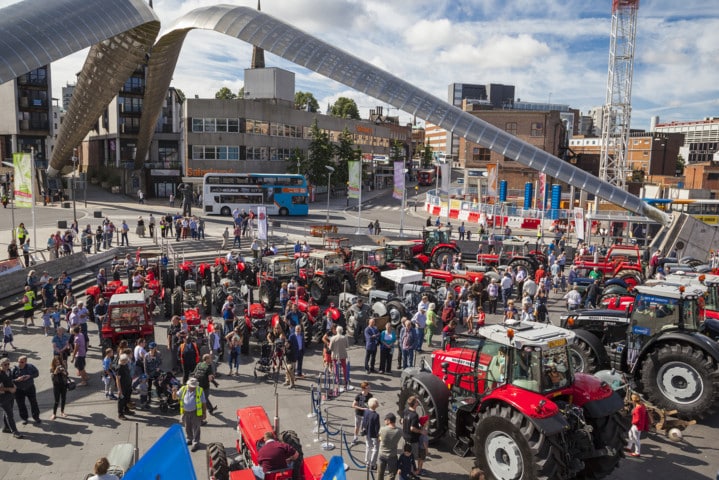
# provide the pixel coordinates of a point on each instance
(401, 252)
(433, 236)
(277, 266)
(665, 307)
(368, 255)
(341, 245)
(523, 355)
(127, 318)
(324, 260)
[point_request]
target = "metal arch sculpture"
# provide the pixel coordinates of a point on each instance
(274, 36)
(37, 32)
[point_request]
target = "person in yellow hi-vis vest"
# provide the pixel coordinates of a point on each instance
(28, 306)
(193, 410)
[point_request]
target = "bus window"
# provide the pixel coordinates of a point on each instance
(297, 200)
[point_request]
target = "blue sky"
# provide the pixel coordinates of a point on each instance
(554, 49)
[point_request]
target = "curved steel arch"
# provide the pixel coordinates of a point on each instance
(37, 32)
(303, 49)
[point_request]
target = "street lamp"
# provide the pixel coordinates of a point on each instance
(75, 159)
(404, 201)
(329, 178)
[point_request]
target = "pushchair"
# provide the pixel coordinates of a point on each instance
(264, 363)
(164, 384)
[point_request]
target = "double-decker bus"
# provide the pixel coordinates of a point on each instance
(426, 176)
(281, 194)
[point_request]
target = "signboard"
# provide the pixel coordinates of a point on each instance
(578, 221)
(398, 191)
(492, 175)
(355, 178)
(159, 172)
(262, 222)
(23, 179)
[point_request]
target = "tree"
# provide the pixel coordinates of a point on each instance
(319, 155)
(427, 156)
(180, 95)
(680, 166)
(346, 152)
(296, 158)
(345, 108)
(303, 100)
(396, 151)
(225, 94)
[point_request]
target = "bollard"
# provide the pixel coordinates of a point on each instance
(312, 403)
(327, 445)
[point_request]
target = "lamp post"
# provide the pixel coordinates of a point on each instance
(404, 201)
(329, 178)
(74, 177)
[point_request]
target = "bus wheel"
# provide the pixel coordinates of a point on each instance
(284, 212)
(225, 211)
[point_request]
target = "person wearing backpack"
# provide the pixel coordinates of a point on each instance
(189, 356)
(204, 376)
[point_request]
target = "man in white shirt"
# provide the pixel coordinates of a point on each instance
(573, 298)
(530, 287)
(506, 286)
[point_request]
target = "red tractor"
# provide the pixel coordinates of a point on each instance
(514, 253)
(273, 271)
(313, 317)
(621, 261)
(326, 273)
(435, 248)
(252, 424)
(127, 318)
(512, 397)
(367, 262)
(403, 254)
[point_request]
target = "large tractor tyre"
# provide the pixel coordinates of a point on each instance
(456, 285)
(206, 293)
(167, 302)
(319, 289)
(291, 438)
(439, 256)
(180, 278)
(217, 467)
(609, 433)
(428, 405)
(507, 445)
(631, 277)
(268, 294)
(396, 311)
(366, 280)
(681, 377)
(584, 358)
(528, 266)
(245, 334)
(177, 301)
(308, 328)
(168, 278)
(219, 297)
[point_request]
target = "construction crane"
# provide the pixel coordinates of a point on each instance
(617, 110)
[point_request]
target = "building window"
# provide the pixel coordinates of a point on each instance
(511, 128)
(233, 125)
(209, 125)
(256, 153)
(221, 124)
(480, 154)
(537, 129)
(197, 124)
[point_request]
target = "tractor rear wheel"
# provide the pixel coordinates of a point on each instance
(439, 256)
(217, 468)
(366, 280)
(291, 438)
(426, 406)
(318, 289)
(631, 277)
(456, 285)
(177, 301)
(268, 293)
(681, 377)
(524, 263)
(308, 328)
(584, 358)
(167, 302)
(245, 334)
(610, 433)
(396, 311)
(508, 446)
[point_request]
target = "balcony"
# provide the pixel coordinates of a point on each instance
(27, 125)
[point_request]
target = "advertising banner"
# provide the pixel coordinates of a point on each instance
(262, 222)
(579, 222)
(355, 178)
(398, 180)
(445, 173)
(542, 188)
(23, 179)
(492, 179)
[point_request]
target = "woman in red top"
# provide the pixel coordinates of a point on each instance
(640, 423)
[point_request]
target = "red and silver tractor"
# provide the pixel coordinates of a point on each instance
(435, 249)
(252, 424)
(367, 262)
(512, 397)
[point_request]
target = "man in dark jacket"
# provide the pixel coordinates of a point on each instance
(371, 341)
(204, 376)
(297, 343)
(24, 375)
(189, 356)
(370, 425)
(7, 397)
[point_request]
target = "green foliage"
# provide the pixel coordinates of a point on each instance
(305, 99)
(681, 164)
(345, 108)
(225, 94)
(427, 156)
(297, 154)
(319, 155)
(396, 151)
(180, 95)
(345, 151)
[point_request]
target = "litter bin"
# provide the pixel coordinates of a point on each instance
(62, 224)
(97, 214)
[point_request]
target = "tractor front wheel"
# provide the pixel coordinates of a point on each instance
(440, 255)
(584, 358)
(318, 289)
(366, 280)
(426, 406)
(177, 301)
(509, 446)
(217, 467)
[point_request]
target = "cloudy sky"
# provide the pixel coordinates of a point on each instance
(549, 49)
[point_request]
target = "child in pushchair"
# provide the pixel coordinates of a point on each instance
(164, 383)
(264, 364)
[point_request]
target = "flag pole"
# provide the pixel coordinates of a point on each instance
(359, 200)
(32, 196)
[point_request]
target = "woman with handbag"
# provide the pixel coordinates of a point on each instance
(60, 381)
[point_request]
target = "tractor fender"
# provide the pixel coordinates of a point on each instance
(424, 259)
(434, 386)
(604, 407)
(526, 402)
(595, 343)
(696, 339)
